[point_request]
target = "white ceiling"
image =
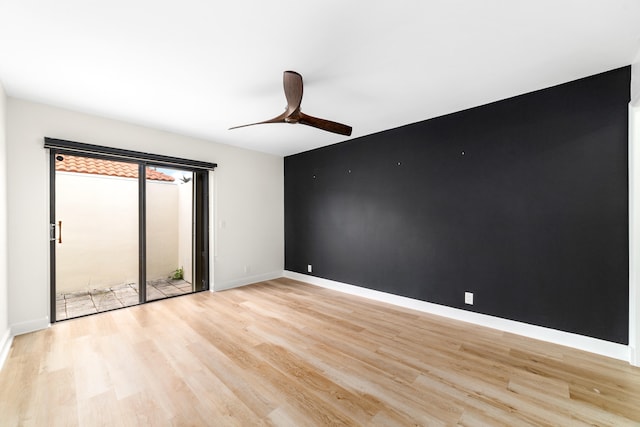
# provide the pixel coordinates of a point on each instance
(198, 67)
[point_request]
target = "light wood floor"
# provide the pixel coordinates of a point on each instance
(286, 353)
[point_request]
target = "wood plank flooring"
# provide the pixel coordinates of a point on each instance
(290, 354)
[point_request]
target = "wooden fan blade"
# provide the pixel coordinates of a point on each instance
(279, 119)
(292, 83)
(323, 124)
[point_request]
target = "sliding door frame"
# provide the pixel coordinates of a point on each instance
(52, 235)
(200, 201)
(142, 233)
(202, 268)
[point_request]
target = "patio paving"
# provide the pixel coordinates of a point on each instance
(81, 303)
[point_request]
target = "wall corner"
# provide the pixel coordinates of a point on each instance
(634, 233)
(5, 340)
(635, 81)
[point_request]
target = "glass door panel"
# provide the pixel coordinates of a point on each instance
(96, 241)
(169, 232)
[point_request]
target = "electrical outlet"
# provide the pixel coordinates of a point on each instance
(468, 298)
(309, 268)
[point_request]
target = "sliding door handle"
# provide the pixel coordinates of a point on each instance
(52, 232)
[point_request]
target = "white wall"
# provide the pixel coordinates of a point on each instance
(248, 191)
(634, 235)
(99, 216)
(5, 336)
(635, 83)
(634, 215)
(99, 231)
(162, 229)
(185, 229)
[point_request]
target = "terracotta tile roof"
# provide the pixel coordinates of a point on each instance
(106, 167)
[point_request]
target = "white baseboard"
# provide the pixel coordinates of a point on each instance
(243, 281)
(5, 346)
(30, 326)
(581, 342)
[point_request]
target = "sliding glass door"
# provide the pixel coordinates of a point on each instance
(170, 232)
(96, 241)
(124, 233)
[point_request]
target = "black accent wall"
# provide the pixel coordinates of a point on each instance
(523, 202)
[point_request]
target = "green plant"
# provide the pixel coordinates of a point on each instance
(177, 274)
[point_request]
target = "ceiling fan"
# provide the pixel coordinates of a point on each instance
(293, 92)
